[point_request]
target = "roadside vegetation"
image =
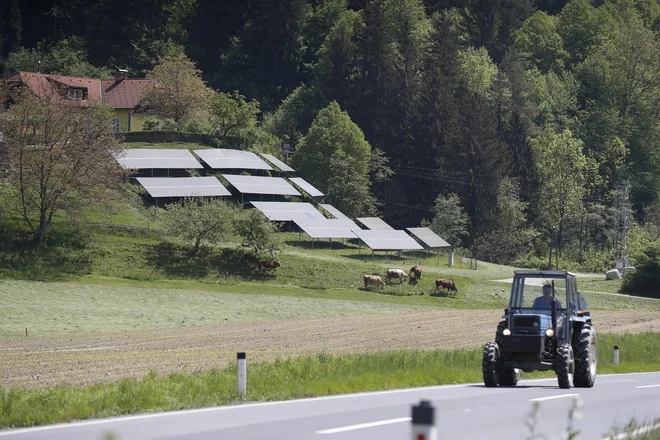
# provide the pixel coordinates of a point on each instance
(292, 378)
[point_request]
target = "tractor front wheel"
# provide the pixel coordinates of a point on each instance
(565, 366)
(584, 347)
(488, 365)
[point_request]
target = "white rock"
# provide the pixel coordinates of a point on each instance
(627, 270)
(613, 274)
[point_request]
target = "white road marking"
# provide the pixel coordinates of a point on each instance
(365, 425)
(561, 396)
(633, 434)
(648, 386)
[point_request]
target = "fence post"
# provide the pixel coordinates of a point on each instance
(241, 373)
(616, 355)
(423, 421)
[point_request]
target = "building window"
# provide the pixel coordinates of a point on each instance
(76, 94)
(116, 125)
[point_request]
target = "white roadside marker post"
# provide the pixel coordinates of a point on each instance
(423, 422)
(616, 355)
(242, 373)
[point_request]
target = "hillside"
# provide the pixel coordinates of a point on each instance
(493, 112)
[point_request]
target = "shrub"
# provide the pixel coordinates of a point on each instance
(150, 124)
(646, 278)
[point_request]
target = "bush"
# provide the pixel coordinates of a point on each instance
(531, 261)
(259, 234)
(646, 279)
(150, 124)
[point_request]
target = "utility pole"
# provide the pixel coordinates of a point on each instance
(622, 225)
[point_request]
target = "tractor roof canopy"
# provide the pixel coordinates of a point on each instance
(528, 291)
(546, 273)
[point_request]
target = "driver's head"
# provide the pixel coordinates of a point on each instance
(547, 290)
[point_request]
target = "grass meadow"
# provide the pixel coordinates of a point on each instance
(291, 378)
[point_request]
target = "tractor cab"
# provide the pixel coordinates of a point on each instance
(531, 306)
(543, 327)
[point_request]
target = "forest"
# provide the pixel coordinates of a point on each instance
(512, 127)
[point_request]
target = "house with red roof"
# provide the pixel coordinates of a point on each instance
(123, 94)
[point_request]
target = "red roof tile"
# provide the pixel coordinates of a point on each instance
(126, 93)
(120, 94)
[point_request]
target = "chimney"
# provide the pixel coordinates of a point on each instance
(121, 74)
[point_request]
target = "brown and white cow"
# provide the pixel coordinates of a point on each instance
(416, 272)
(270, 264)
(398, 274)
(373, 280)
(445, 284)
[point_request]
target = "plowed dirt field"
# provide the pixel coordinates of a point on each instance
(81, 359)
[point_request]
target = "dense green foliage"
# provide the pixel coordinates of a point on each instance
(335, 157)
(647, 276)
(197, 220)
(460, 96)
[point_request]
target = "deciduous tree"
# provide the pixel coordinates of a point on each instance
(258, 234)
(332, 136)
(450, 220)
(561, 168)
(59, 154)
(179, 92)
(200, 220)
(232, 115)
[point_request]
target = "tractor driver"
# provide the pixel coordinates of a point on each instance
(545, 301)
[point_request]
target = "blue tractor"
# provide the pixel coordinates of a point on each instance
(546, 327)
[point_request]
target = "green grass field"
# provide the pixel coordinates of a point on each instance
(146, 281)
(291, 378)
(54, 309)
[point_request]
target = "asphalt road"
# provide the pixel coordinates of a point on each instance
(462, 412)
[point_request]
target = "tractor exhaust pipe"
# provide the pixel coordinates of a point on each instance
(554, 309)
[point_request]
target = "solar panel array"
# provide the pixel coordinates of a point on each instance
(388, 240)
(183, 186)
(306, 186)
(428, 237)
(261, 185)
(278, 163)
(333, 211)
(156, 159)
(287, 211)
(327, 228)
(375, 223)
(232, 159)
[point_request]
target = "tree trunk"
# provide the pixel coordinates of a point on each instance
(44, 223)
(195, 248)
(560, 238)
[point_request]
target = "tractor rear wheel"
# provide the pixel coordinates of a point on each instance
(509, 377)
(489, 363)
(586, 356)
(565, 365)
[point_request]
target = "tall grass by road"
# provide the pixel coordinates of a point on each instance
(292, 378)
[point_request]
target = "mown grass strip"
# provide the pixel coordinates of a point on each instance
(293, 378)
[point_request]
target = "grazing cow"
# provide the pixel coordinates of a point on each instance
(270, 264)
(373, 280)
(397, 274)
(445, 284)
(416, 272)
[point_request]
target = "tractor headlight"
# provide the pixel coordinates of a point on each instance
(506, 332)
(549, 332)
